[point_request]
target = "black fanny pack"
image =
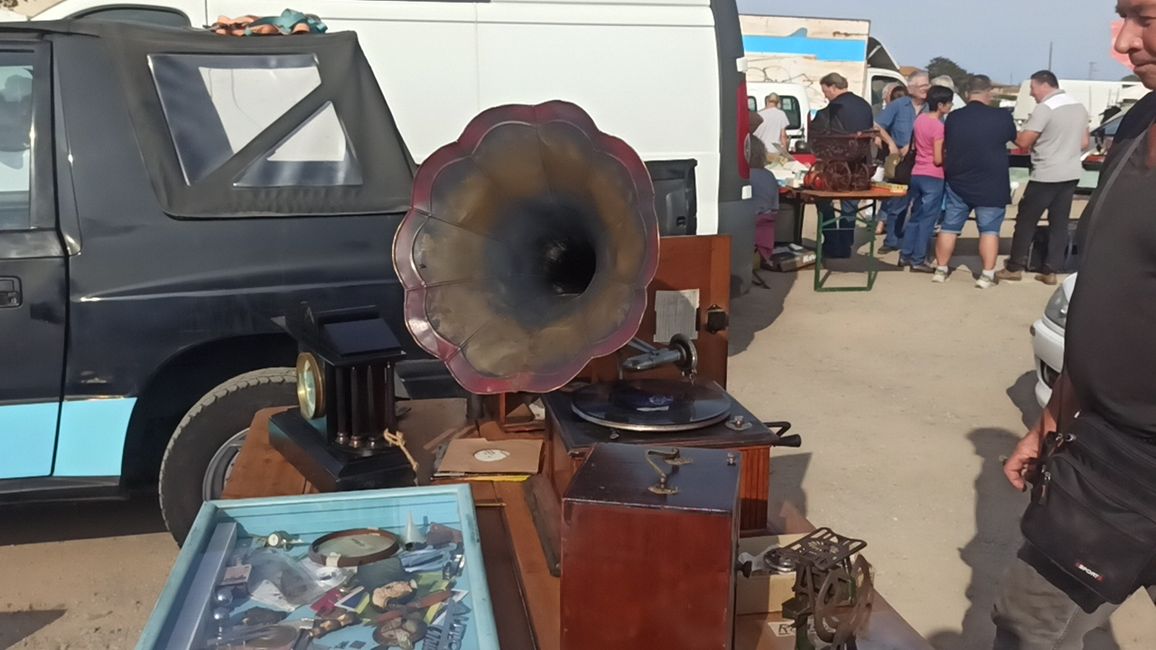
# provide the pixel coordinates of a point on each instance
(1093, 508)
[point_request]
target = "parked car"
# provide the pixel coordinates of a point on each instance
(1048, 339)
(164, 195)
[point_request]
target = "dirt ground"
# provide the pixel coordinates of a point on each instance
(905, 396)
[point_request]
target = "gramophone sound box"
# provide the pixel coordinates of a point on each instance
(649, 537)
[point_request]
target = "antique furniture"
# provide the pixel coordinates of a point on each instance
(866, 216)
(525, 596)
(649, 539)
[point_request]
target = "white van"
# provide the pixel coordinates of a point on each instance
(666, 76)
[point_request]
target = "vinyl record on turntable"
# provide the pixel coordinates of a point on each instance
(652, 405)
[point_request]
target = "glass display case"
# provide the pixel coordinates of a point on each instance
(375, 569)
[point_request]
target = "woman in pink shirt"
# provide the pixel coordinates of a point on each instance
(926, 189)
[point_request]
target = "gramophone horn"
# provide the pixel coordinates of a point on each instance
(528, 248)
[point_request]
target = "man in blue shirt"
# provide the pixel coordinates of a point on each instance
(977, 177)
(897, 122)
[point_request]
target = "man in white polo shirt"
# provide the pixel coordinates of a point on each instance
(773, 130)
(1057, 134)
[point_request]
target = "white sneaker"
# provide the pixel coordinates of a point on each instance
(940, 276)
(985, 282)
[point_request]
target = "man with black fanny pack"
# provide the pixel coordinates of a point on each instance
(1091, 526)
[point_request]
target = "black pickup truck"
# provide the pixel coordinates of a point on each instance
(164, 194)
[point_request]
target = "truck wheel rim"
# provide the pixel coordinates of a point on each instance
(221, 466)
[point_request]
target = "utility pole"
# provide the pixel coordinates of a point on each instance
(1091, 70)
(1051, 49)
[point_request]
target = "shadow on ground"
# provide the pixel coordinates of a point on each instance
(787, 474)
(56, 522)
(997, 514)
(759, 309)
(1023, 395)
(16, 626)
(997, 511)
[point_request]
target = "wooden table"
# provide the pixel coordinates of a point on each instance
(526, 597)
(801, 197)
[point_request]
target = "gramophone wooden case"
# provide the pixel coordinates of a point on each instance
(650, 568)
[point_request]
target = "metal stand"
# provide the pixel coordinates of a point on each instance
(825, 225)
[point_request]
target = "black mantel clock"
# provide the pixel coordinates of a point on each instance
(341, 437)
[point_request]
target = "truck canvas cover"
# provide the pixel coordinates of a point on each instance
(257, 127)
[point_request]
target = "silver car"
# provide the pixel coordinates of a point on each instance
(1048, 339)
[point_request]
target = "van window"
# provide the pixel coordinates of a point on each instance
(15, 142)
(216, 105)
(790, 106)
(877, 86)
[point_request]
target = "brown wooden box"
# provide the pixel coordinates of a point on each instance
(643, 570)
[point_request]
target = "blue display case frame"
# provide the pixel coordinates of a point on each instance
(310, 515)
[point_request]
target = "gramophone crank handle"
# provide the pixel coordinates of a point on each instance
(779, 428)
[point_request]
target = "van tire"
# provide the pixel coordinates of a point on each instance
(219, 416)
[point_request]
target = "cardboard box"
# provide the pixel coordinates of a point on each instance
(763, 594)
(764, 632)
(792, 257)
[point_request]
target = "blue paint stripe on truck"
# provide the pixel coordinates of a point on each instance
(823, 49)
(92, 435)
(88, 438)
(27, 438)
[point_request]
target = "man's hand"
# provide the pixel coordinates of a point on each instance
(1022, 460)
(903, 151)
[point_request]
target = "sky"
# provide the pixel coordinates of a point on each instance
(1005, 39)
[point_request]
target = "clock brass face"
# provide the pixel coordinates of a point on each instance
(310, 386)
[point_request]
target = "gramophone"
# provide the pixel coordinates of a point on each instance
(527, 252)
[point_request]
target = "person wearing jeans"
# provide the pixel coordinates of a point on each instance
(988, 220)
(976, 138)
(1057, 134)
(897, 125)
(927, 181)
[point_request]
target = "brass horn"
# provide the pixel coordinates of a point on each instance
(528, 248)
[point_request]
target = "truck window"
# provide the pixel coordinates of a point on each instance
(217, 105)
(15, 141)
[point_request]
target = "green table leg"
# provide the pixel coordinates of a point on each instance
(873, 268)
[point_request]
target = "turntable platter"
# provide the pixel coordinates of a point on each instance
(652, 405)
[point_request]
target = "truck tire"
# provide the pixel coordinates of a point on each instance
(210, 434)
